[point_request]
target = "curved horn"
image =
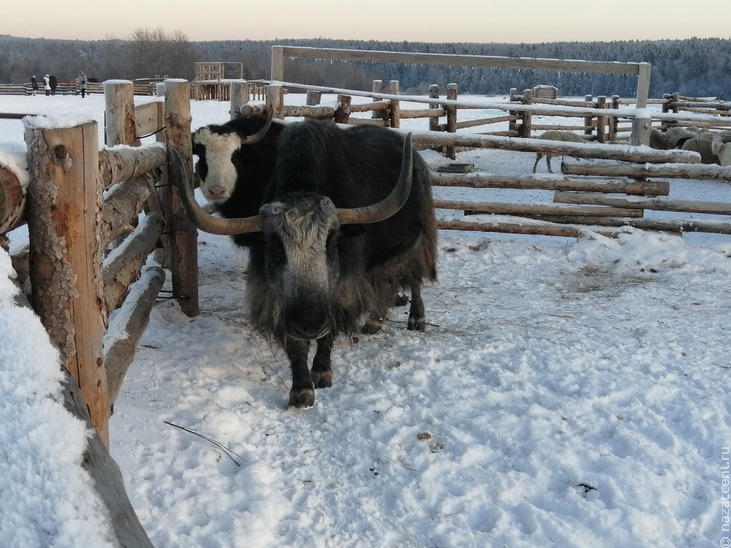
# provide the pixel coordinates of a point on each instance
(259, 135)
(197, 215)
(392, 203)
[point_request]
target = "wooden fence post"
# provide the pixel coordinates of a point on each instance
(395, 104)
(450, 151)
(589, 120)
(644, 70)
(119, 105)
(342, 112)
(275, 99)
(64, 212)
(434, 94)
(239, 97)
(183, 235)
(613, 120)
(313, 97)
(601, 121)
(641, 128)
(525, 127)
(277, 66)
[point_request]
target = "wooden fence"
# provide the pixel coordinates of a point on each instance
(641, 70)
(88, 252)
(69, 87)
(577, 202)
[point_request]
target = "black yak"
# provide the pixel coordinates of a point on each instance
(344, 219)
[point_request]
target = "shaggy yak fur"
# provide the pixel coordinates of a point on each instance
(309, 276)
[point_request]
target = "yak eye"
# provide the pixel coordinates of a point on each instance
(275, 250)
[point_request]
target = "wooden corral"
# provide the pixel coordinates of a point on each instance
(576, 203)
(213, 81)
(88, 246)
(93, 276)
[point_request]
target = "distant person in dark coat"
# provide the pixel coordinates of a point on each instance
(53, 82)
(82, 83)
(47, 84)
(33, 85)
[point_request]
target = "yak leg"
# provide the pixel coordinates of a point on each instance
(322, 373)
(302, 393)
(417, 315)
(538, 159)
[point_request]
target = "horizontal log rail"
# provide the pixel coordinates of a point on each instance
(522, 209)
(120, 164)
(519, 226)
(668, 170)
(483, 180)
(641, 70)
(636, 202)
(595, 150)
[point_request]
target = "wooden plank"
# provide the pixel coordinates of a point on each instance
(582, 150)
(149, 118)
(482, 180)
(518, 227)
(666, 170)
(657, 204)
(534, 209)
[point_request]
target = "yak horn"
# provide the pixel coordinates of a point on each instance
(200, 218)
(392, 203)
(259, 135)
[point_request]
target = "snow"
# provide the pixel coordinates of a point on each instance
(567, 392)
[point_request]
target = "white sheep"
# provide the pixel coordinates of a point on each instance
(723, 151)
(704, 147)
(676, 136)
(555, 135)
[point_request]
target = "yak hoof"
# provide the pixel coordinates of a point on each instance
(416, 323)
(322, 379)
(371, 327)
(302, 398)
(401, 300)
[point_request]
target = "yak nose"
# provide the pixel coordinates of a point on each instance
(215, 192)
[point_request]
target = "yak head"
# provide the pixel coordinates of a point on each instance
(301, 260)
(222, 160)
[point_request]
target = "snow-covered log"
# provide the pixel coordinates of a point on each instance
(124, 263)
(671, 171)
(127, 327)
(636, 202)
(484, 180)
(582, 150)
(121, 164)
(124, 203)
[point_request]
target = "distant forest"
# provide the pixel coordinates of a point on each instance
(694, 67)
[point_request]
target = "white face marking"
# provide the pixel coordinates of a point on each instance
(221, 178)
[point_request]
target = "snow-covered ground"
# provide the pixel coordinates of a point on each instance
(566, 392)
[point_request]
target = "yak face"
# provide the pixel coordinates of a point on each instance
(215, 169)
(302, 263)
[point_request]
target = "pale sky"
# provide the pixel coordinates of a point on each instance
(411, 20)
